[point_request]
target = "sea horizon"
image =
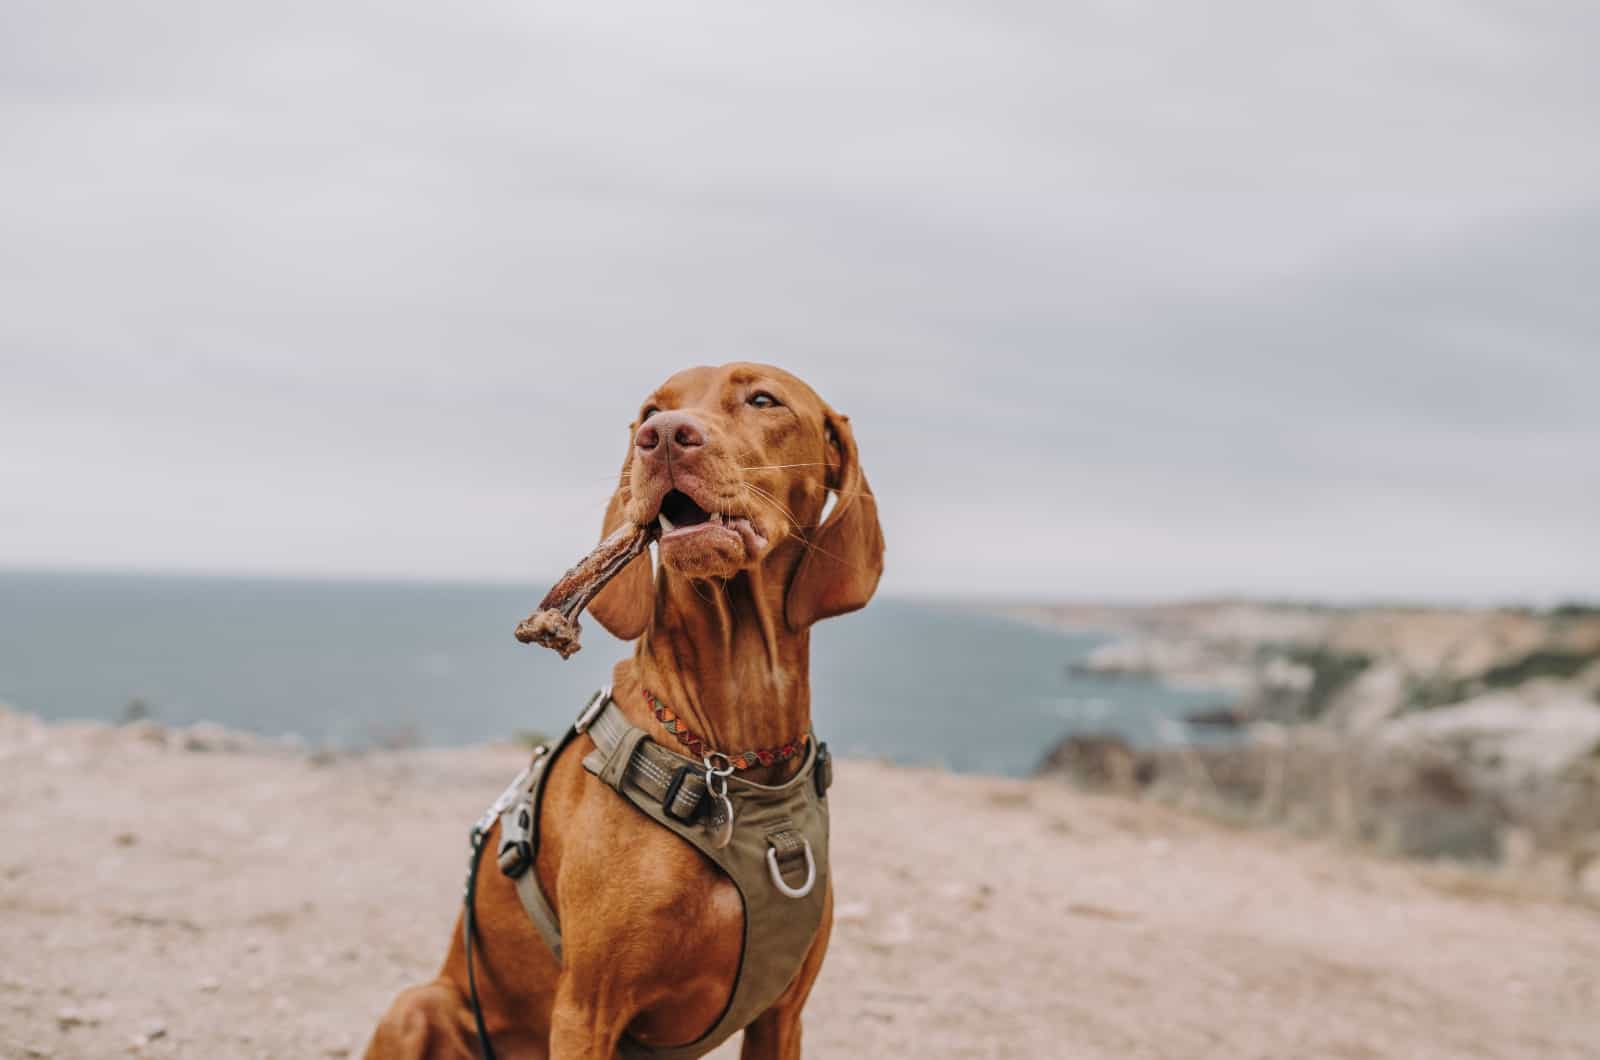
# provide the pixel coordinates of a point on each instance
(356, 662)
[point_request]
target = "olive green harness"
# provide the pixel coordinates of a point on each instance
(771, 841)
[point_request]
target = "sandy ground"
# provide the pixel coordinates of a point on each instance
(172, 902)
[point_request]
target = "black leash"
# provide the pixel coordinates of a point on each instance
(469, 929)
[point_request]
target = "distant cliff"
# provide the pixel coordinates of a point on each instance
(1453, 731)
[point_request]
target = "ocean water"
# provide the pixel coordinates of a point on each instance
(351, 664)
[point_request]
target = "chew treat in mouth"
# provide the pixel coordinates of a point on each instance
(555, 624)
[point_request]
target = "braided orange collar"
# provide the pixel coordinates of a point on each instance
(696, 744)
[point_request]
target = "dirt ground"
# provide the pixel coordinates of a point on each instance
(246, 902)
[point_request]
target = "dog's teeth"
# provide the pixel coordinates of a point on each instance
(667, 526)
(716, 517)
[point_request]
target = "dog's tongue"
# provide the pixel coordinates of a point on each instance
(753, 541)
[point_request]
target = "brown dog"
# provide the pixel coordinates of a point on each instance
(741, 460)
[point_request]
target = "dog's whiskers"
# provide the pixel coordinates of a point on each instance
(774, 501)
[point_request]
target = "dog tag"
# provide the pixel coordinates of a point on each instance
(720, 821)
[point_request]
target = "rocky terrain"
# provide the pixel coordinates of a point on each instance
(200, 893)
(1473, 733)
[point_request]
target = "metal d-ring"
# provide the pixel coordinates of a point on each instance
(777, 876)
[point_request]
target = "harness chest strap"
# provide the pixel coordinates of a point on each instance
(776, 852)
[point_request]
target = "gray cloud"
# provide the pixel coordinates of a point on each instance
(1125, 298)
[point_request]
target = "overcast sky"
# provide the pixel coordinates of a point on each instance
(1125, 299)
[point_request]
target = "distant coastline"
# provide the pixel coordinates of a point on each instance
(1470, 732)
(364, 663)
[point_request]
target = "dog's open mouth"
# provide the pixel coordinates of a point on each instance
(682, 516)
(679, 511)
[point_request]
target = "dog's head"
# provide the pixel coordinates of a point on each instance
(736, 464)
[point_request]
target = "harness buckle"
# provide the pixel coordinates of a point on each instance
(516, 852)
(674, 788)
(593, 709)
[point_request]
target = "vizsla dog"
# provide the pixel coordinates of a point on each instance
(735, 465)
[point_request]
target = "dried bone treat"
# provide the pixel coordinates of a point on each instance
(555, 624)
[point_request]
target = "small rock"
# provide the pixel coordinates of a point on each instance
(37, 1050)
(206, 736)
(70, 1017)
(1588, 879)
(980, 899)
(851, 912)
(208, 985)
(1518, 848)
(897, 932)
(154, 1029)
(148, 731)
(126, 839)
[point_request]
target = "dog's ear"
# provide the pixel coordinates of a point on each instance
(625, 605)
(843, 559)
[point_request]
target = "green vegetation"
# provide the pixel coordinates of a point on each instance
(529, 738)
(1331, 671)
(1546, 662)
(1438, 691)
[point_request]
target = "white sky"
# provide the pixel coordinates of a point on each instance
(1125, 299)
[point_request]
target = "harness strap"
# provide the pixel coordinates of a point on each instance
(519, 842)
(624, 754)
(788, 844)
(539, 910)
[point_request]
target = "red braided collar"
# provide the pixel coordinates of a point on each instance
(697, 745)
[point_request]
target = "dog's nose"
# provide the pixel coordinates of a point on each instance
(683, 430)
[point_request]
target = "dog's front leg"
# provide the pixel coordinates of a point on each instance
(583, 1025)
(427, 1022)
(775, 1035)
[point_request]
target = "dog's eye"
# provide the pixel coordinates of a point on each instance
(646, 412)
(763, 400)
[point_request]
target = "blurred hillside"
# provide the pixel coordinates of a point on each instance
(1464, 732)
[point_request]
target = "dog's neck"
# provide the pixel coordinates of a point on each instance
(721, 656)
